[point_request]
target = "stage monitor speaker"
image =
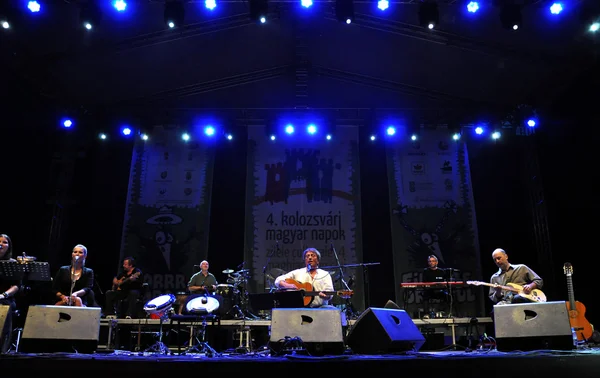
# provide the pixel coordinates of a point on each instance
(51, 329)
(531, 326)
(318, 330)
(4, 309)
(384, 330)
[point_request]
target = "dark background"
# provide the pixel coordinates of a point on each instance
(566, 143)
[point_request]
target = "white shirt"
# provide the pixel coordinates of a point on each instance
(321, 282)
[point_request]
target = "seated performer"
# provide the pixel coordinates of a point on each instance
(320, 279)
(126, 285)
(433, 274)
(8, 288)
(203, 281)
(73, 284)
(519, 274)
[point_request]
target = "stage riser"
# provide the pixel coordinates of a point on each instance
(260, 330)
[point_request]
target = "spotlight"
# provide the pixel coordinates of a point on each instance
(33, 6)
(258, 10)
(344, 11)
(510, 16)
(589, 15)
(174, 13)
(429, 16)
(90, 15)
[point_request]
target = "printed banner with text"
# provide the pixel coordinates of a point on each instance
(433, 213)
(304, 192)
(167, 213)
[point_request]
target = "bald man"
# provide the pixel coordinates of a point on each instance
(519, 274)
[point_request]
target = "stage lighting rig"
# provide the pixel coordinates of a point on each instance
(344, 11)
(258, 10)
(174, 13)
(90, 15)
(510, 15)
(429, 15)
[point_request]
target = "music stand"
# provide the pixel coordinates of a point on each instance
(32, 271)
(278, 299)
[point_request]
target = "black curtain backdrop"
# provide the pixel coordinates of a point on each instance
(95, 209)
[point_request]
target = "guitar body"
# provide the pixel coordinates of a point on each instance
(302, 286)
(534, 295)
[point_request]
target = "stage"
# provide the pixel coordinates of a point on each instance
(580, 363)
(452, 347)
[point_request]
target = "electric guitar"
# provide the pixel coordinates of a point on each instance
(124, 279)
(309, 293)
(535, 295)
(576, 309)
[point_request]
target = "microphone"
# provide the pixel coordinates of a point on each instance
(308, 267)
(205, 298)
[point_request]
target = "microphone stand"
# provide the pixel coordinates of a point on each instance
(349, 308)
(269, 256)
(73, 261)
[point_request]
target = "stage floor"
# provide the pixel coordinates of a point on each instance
(583, 362)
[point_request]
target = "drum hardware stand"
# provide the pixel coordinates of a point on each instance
(201, 345)
(159, 346)
(245, 338)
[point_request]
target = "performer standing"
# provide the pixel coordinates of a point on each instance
(8, 288)
(73, 284)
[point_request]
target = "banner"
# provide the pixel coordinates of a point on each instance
(304, 192)
(168, 208)
(433, 213)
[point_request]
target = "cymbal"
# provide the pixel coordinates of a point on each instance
(276, 272)
(243, 271)
(227, 271)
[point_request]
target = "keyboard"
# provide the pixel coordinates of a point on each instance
(431, 285)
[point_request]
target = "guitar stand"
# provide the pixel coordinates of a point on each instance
(159, 346)
(201, 345)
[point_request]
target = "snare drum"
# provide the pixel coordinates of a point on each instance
(202, 305)
(159, 307)
(225, 290)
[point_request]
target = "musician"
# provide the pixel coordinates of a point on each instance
(127, 285)
(8, 290)
(203, 282)
(433, 273)
(519, 274)
(320, 279)
(73, 284)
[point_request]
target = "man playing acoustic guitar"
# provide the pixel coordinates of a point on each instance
(319, 279)
(126, 285)
(518, 274)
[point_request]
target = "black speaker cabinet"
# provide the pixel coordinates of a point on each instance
(531, 326)
(384, 330)
(51, 329)
(318, 330)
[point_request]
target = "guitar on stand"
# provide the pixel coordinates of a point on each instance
(582, 326)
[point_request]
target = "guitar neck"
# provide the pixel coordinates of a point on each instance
(509, 288)
(571, 291)
(316, 293)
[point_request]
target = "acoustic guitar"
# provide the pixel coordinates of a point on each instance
(309, 293)
(535, 295)
(576, 309)
(124, 279)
